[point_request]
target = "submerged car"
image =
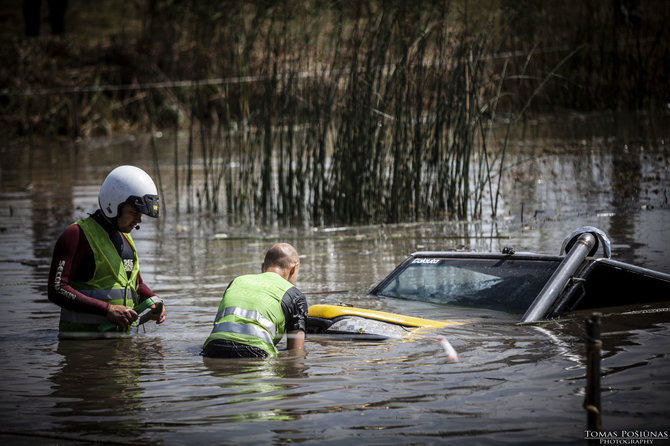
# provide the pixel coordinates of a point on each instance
(535, 286)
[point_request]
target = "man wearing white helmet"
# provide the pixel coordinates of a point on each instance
(94, 275)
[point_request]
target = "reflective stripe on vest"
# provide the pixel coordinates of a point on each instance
(245, 329)
(113, 297)
(247, 314)
(81, 318)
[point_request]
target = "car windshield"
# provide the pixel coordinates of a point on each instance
(504, 284)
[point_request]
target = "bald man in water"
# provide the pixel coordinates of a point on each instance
(258, 309)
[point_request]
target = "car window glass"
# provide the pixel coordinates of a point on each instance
(507, 285)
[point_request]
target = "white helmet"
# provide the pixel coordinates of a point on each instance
(128, 184)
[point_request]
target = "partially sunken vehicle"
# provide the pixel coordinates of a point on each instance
(537, 287)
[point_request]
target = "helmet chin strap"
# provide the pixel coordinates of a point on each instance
(115, 222)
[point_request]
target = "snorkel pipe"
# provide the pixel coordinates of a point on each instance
(579, 245)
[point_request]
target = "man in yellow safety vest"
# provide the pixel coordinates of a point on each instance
(95, 273)
(258, 309)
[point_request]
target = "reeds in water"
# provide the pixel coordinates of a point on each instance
(376, 122)
(321, 113)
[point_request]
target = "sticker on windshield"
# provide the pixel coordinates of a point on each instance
(426, 261)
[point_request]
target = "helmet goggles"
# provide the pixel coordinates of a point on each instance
(148, 204)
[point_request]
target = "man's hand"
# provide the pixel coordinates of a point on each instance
(121, 315)
(157, 313)
(295, 340)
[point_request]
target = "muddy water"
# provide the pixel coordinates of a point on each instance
(515, 385)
